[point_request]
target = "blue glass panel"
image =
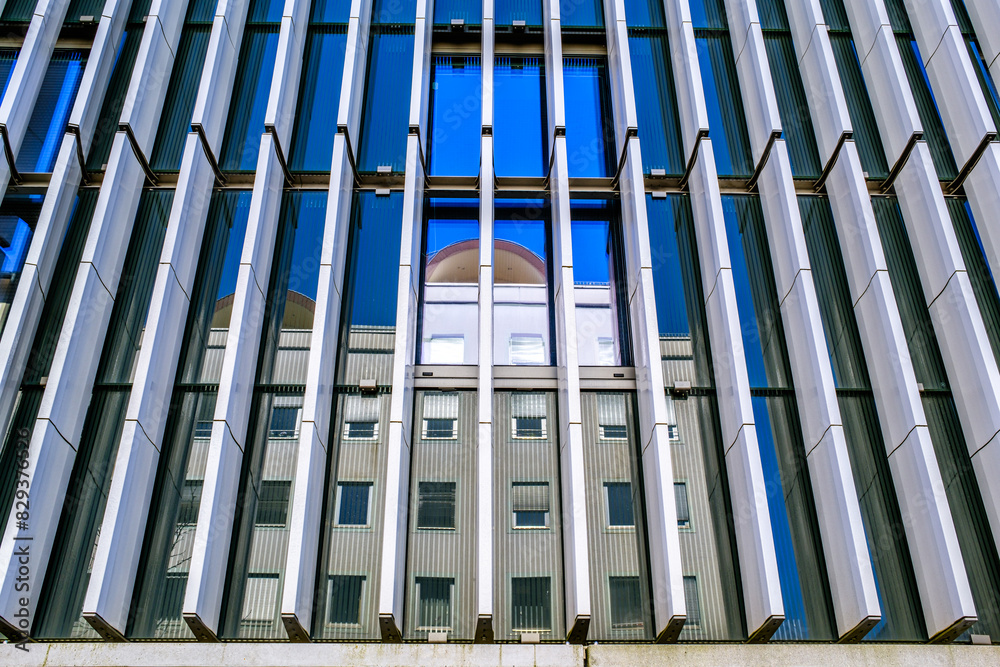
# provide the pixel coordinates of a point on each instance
(581, 13)
(319, 97)
(589, 127)
(456, 116)
(591, 246)
(331, 11)
(668, 277)
(394, 11)
(308, 211)
(708, 14)
(373, 267)
(655, 103)
(265, 11)
(726, 121)
(201, 11)
(385, 120)
(52, 108)
(18, 216)
(508, 11)
(470, 11)
(744, 299)
(175, 119)
(644, 14)
(8, 57)
(520, 129)
(249, 102)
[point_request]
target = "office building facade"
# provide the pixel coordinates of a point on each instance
(378, 322)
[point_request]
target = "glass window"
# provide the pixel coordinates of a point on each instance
(187, 514)
(262, 594)
(456, 115)
(272, 506)
(509, 11)
(434, 610)
(626, 603)
(319, 97)
(175, 118)
(985, 79)
(385, 118)
(528, 416)
(361, 430)
(859, 106)
(18, 217)
(522, 323)
(368, 310)
(352, 503)
(520, 133)
(439, 429)
(530, 502)
(284, 422)
(8, 58)
(114, 98)
(681, 503)
(436, 505)
(600, 290)
(726, 120)
(927, 108)
(393, 11)
(619, 504)
(345, 599)
(692, 601)
(241, 142)
(655, 97)
(47, 125)
(590, 134)
(470, 12)
(531, 604)
(18, 11)
(581, 13)
(330, 11)
(448, 321)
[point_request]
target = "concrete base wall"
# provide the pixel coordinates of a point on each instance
(93, 654)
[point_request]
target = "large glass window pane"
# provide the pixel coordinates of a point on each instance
(331, 11)
(441, 539)
(520, 128)
(8, 58)
(47, 125)
(91, 9)
(114, 98)
(697, 451)
(655, 100)
(241, 142)
(801, 566)
(385, 118)
(393, 11)
(17, 436)
(175, 119)
(456, 116)
(176, 498)
(859, 106)
(468, 11)
(581, 13)
(18, 217)
(930, 116)
(902, 615)
(616, 527)
(508, 11)
(726, 121)
(528, 537)
(272, 437)
(522, 322)
(61, 600)
(18, 11)
(368, 310)
(319, 98)
(590, 134)
(449, 305)
(602, 322)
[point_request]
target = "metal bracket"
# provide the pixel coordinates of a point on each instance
(821, 181)
(139, 155)
(971, 164)
(702, 134)
(752, 183)
(219, 176)
(901, 162)
(9, 154)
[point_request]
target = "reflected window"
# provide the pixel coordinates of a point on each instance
(529, 12)
(531, 604)
(581, 13)
(692, 601)
(434, 609)
(520, 128)
(319, 97)
(345, 599)
(618, 499)
(384, 120)
(448, 320)
(260, 598)
(284, 422)
(530, 504)
(272, 506)
(681, 503)
(602, 326)
(522, 324)
(626, 603)
(353, 503)
(590, 135)
(187, 513)
(436, 505)
(456, 115)
(448, 12)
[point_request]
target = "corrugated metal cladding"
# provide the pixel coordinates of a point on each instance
(508, 321)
